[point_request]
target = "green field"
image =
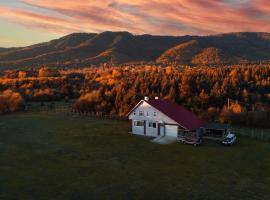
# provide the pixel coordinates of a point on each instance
(63, 157)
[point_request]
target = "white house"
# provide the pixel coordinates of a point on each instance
(157, 117)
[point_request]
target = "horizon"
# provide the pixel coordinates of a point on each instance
(27, 22)
(157, 35)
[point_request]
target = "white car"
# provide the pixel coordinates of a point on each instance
(230, 139)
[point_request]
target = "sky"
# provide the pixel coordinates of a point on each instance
(26, 22)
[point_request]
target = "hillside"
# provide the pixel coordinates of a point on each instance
(80, 49)
(85, 49)
(221, 49)
(181, 54)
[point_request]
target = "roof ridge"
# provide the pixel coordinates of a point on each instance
(178, 113)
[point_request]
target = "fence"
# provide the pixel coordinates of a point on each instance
(257, 133)
(65, 108)
(52, 107)
(93, 115)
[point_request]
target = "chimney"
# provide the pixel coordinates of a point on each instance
(156, 97)
(146, 98)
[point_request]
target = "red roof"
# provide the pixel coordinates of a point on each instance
(177, 113)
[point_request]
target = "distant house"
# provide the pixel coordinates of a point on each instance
(157, 117)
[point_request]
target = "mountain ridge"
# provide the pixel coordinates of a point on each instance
(82, 49)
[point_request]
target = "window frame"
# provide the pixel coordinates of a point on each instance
(138, 123)
(152, 125)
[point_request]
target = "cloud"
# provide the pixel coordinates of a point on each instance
(164, 17)
(34, 20)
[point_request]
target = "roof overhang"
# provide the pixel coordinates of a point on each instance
(137, 105)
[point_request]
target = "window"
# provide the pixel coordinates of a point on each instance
(138, 123)
(154, 114)
(134, 113)
(152, 124)
(147, 114)
(141, 113)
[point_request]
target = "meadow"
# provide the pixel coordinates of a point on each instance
(65, 157)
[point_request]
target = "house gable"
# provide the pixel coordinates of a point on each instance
(145, 111)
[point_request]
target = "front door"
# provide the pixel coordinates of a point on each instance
(161, 130)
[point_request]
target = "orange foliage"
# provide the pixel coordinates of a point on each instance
(10, 101)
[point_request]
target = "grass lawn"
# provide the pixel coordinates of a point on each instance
(62, 157)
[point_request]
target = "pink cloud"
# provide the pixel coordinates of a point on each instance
(31, 19)
(164, 17)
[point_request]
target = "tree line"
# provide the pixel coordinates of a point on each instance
(114, 90)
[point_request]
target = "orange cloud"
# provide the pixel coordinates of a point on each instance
(27, 18)
(163, 17)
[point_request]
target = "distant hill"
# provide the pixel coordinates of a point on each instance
(181, 54)
(7, 49)
(218, 49)
(80, 49)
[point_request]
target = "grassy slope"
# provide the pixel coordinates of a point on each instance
(54, 157)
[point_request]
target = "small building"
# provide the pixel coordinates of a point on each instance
(216, 131)
(158, 117)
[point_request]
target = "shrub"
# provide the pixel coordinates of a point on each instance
(88, 102)
(10, 101)
(45, 94)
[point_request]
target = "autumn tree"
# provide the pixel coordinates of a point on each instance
(47, 72)
(10, 101)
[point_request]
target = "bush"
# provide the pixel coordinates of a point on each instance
(10, 101)
(45, 94)
(88, 102)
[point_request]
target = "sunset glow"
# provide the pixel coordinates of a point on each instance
(47, 19)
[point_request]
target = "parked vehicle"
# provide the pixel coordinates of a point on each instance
(230, 139)
(190, 140)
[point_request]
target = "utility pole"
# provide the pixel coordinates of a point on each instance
(228, 103)
(111, 61)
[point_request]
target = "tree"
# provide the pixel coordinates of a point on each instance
(204, 97)
(171, 94)
(47, 72)
(22, 74)
(245, 95)
(10, 101)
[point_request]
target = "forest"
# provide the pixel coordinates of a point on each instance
(237, 94)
